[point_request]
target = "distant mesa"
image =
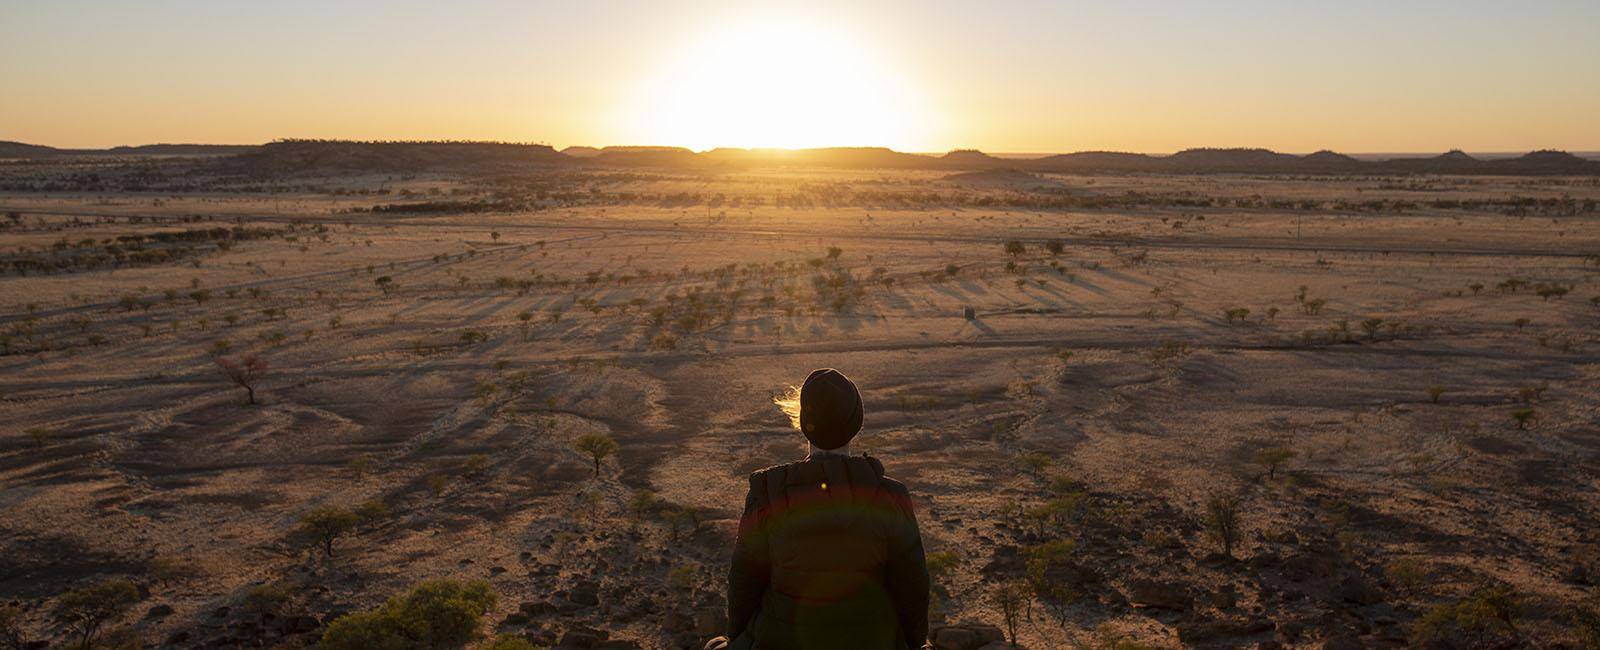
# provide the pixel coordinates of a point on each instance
(297, 156)
(307, 156)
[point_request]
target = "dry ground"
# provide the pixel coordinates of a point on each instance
(1100, 395)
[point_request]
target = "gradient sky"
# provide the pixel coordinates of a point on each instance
(1007, 76)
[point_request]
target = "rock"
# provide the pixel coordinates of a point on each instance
(617, 644)
(159, 611)
(675, 621)
(584, 593)
(986, 633)
(1355, 589)
(496, 570)
(1159, 594)
(179, 637)
(955, 638)
(300, 624)
(1343, 642)
(710, 622)
(514, 618)
(1306, 566)
(582, 638)
(221, 612)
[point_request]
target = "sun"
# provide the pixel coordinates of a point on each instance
(781, 82)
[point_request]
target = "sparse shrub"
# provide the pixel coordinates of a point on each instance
(951, 270)
(1222, 520)
(1313, 306)
(1548, 291)
(597, 446)
(1407, 573)
(1034, 463)
(1435, 392)
(244, 371)
(437, 483)
(472, 337)
(642, 502)
(325, 524)
(834, 252)
(509, 642)
(1236, 314)
(200, 296)
(1047, 579)
(1271, 458)
(360, 465)
(435, 614)
(476, 464)
(272, 597)
(1055, 246)
(84, 611)
(1523, 417)
(40, 436)
(385, 283)
(1481, 619)
(1372, 326)
(1015, 248)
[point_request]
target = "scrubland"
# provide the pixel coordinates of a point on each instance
(1135, 411)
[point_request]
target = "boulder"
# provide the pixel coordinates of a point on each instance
(1160, 594)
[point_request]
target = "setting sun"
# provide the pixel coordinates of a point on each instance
(777, 81)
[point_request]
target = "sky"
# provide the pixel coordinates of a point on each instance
(1002, 76)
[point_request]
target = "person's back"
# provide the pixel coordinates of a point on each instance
(828, 553)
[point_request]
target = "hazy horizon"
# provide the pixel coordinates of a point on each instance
(1015, 76)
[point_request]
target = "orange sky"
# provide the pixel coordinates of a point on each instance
(1001, 76)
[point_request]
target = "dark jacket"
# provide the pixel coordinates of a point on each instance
(828, 556)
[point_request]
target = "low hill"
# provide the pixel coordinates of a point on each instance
(294, 156)
(24, 150)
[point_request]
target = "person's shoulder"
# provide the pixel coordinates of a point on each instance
(758, 478)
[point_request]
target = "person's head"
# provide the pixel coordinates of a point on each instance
(826, 409)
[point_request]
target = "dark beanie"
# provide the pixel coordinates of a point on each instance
(830, 409)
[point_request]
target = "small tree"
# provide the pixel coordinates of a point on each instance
(1435, 392)
(324, 524)
(385, 283)
(1222, 520)
(85, 610)
(244, 371)
(1010, 597)
(597, 446)
(1271, 458)
(1055, 246)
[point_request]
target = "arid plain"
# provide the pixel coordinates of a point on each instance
(1386, 385)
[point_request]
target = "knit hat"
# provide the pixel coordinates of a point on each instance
(830, 409)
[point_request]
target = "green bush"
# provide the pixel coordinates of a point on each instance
(435, 614)
(1481, 619)
(509, 642)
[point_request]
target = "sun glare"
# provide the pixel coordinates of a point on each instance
(777, 82)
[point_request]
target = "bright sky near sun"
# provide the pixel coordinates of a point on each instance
(1003, 76)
